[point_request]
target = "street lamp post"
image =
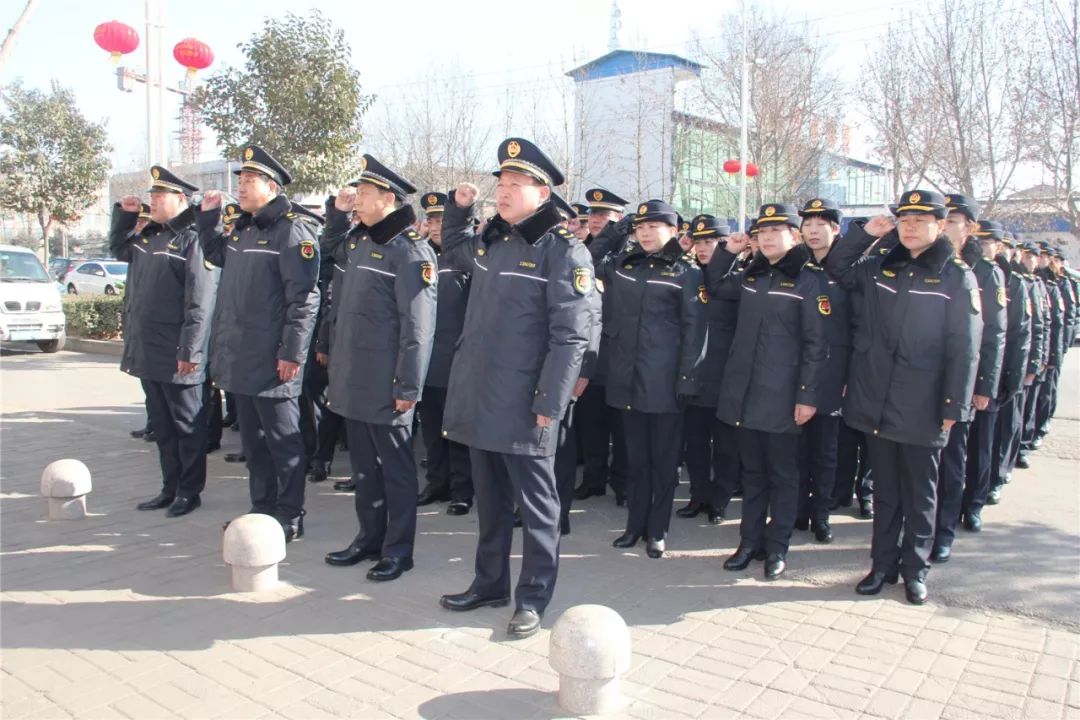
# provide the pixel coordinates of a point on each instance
(744, 123)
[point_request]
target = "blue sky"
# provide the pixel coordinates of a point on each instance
(496, 42)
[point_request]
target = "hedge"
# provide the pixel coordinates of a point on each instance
(95, 318)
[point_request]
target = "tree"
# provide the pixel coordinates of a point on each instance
(1056, 100)
(13, 32)
(949, 97)
(297, 96)
(53, 161)
(795, 99)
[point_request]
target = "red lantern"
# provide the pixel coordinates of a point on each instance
(732, 166)
(193, 54)
(116, 38)
(752, 170)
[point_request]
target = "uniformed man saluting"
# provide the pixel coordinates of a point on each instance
(263, 322)
(912, 372)
(382, 346)
(526, 329)
(169, 301)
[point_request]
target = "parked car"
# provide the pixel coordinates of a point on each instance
(96, 277)
(59, 267)
(30, 309)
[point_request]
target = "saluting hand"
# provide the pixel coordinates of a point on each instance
(286, 370)
(130, 203)
(346, 199)
(465, 194)
(211, 200)
(879, 225)
(737, 243)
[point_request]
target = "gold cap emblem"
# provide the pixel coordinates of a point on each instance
(643, 209)
(431, 199)
(363, 164)
(155, 173)
(914, 197)
(598, 196)
(513, 149)
(249, 153)
(815, 204)
(770, 211)
(701, 225)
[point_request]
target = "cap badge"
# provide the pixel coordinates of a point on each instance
(815, 204)
(643, 209)
(155, 173)
(513, 149)
(770, 211)
(914, 197)
(598, 196)
(249, 153)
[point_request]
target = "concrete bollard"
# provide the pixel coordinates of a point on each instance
(66, 483)
(590, 649)
(253, 546)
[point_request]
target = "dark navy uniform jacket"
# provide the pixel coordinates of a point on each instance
(915, 350)
(268, 297)
(449, 321)
(385, 317)
(1040, 321)
(780, 352)
(838, 328)
(657, 329)
(993, 299)
(170, 296)
(722, 314)
(1017, 333)
(527, 326)
(1057, 317)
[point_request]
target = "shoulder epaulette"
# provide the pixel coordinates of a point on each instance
(812, 266)
(412, 234)
(564, 233)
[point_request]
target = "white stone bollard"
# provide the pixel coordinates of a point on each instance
(590, 649)
(254, 544)
(66, 484)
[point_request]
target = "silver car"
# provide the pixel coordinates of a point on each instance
(97, 277)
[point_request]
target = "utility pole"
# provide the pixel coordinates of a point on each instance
(745, 121)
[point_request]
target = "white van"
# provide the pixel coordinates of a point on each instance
(30, 309)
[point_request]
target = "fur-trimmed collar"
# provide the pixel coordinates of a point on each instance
(932, 258)
(671, 253)
(390, 226)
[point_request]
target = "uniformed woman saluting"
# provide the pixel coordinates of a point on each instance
(771, 384)
(657, 348)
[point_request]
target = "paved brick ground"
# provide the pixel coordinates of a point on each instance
(128, 614)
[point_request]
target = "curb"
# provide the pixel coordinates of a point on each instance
(97, 347)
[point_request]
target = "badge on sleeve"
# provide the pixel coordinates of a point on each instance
(307, 249)
(702, 295)
(976, 301)
(823, 305)
(427, 273)
(1001, 296)
(583, 281)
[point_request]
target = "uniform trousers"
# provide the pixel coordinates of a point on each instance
(384, 470)
(178, 414)
(770, 473)
(603, 443)
(712, 457)
(653, 446)
(274, 448)
(448, 466)
(818, 443)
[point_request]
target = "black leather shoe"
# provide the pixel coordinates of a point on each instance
(654, 548)
(716, 515)
(866, 510)
(320, 471)
(182, 506)
(293, 529)
(235, 457)
(802, 524)
(345, 485)
(430, 495)
(994, 496)
(524, 623)
(469, 600)
(517, 518)
(583, 492)
(564, 526)
(352, 555)
(774, 566)
(915, 591)
(692, 510)
(162, 500)
(1036, 443)
(626, 540)
(149, 437)
(741, 558)
(941, 554)
(389, 568)
(874, 582)
(138, 433)
(459, 507)
(972, 522)
(823, 533)
(1022, 462)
